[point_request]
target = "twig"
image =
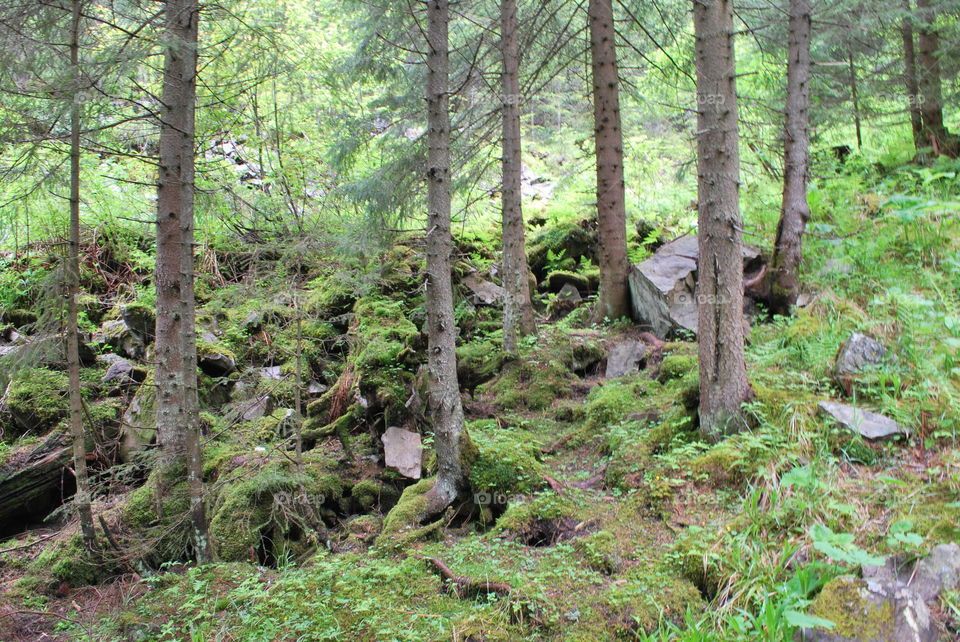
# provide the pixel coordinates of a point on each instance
(56, 615)
(28, 544)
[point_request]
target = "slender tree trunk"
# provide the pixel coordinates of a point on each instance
(613, 301)
(855, 98)
(910, 77)
(446, 410)
(82, 499)
(784, 281)
(178, 426)
(723, 374)
(928, 47)
(518, 317)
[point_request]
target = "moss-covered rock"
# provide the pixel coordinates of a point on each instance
(67, 560)
(844, 602)
(36, 401)
(560, 246)
(934, 512)
(542, 521)
(478, 362)
(675, 366)
(508, 461)
(534, 385)
(559, 278)
(17, 317)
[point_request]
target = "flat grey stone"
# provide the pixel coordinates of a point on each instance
(625, 358)
(403, 451)
(869, 424)
(570, 292)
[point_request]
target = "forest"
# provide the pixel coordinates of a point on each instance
(430, 320)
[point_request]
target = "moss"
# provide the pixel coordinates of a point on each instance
(559, 278)
(18, 317)
(647, 598)
(261, 513)
(370, 493)
(530, 384)
(478, 362)
(37, 400)
(843, 602)
(626, 467)
(723, 465)
(600, 551)
(404, 518)
(330, 296)
(156, 512)
(68, 561)
(507, 462)
(934, 512)
(384, 333)
(614, 400)
(675, 366)
(521, 518)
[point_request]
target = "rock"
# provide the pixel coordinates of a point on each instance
(253, 321)
(216, 363)
(123, 341)
(835, 266)
(271, 373)
(869, 424)
(663, 288)
(140, 320)
(34, 483)
(18, 318)
(648, 234)
(871, 611)
(123, 372)
(626, 358)
(315, 388)
(557, 280)
(890, 601)
(482, 292)
(855, 354)
(403, 451)
(566, 242)
(569, 292)
(138, 424)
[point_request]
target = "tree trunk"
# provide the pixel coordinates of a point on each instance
(723, 374)
(178, 428)
(518, 317)
(931, 107)
(910, 77)
(446, 411)
(855, 98)
(613, 301)
(82, 499)
(784, 281)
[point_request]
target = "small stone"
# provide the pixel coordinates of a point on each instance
(123, 372)
(271, 373)
(625, 358)
(869, 424)
(403, 451)
(858, 352)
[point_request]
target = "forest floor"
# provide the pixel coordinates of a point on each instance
(599, 504)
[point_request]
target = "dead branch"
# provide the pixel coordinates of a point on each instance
(467, 587)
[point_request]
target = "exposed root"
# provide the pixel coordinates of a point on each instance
(467, 587)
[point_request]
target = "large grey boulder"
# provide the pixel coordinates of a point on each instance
(869, 424)
(856, 354)
(402, 450)
(663, 288)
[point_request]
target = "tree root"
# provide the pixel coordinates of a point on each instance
(467, 587)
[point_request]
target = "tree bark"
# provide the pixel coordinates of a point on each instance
(82, 499)
(446, 410)
(910, 77)
(931, 107)
(613, 299)
(178, 427)
(723, 374)
(518, 317)
(784, 281)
